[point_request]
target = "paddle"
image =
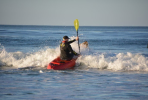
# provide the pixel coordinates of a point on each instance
(76, 24)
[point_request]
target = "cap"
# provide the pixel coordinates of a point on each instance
(66, 37)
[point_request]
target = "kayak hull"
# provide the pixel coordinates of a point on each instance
(58, 64)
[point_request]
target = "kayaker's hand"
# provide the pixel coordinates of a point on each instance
(77, 38)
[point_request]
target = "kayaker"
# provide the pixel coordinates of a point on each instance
(67, 53)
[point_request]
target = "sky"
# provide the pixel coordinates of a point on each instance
(64, 12)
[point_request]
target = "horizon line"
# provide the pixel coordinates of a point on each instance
(71, 25)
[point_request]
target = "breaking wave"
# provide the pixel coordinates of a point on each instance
(118, 62)
(89, 59)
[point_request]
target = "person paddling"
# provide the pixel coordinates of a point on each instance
(66, 51)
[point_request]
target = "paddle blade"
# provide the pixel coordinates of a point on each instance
(76, 24)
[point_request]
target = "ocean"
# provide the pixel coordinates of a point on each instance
(113, 67)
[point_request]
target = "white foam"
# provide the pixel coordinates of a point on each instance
(41, 71)
(38, 59)
(116, 62)
(119, 62)
(20, 60)
(130, 62)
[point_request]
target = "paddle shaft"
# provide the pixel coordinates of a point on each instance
(78, 42)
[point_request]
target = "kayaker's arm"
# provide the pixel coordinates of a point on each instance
(71, 41)
(77, 38)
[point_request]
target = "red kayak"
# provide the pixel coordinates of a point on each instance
(58, 64)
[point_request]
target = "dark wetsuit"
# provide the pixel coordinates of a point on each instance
(67, 52)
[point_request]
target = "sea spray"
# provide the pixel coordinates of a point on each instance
(40, 58)
(129, 62)
(88, 59)
(19, 60)
(119, 62)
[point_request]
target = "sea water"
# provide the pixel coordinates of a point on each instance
(113, 67)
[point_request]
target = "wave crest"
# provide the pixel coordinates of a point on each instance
(118, 62)
(115, 62)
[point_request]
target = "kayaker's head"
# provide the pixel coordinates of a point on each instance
(66, 38)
